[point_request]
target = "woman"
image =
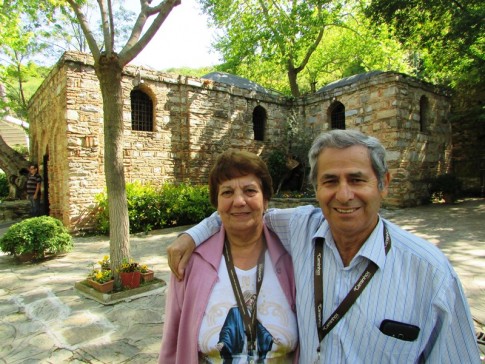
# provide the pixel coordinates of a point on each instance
(237, 300)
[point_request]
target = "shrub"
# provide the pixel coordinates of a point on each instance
(151, 207)
(38, 236)
(277, 167)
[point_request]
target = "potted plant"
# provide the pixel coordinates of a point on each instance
(130, 274)
(146, 273)
(101, 280)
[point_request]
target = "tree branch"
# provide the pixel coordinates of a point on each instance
(106, 26)
(136, 44)
(111, 23)
(93, 46)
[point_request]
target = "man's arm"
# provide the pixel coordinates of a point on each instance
(37, 190)
(180, 250)
(456, 340)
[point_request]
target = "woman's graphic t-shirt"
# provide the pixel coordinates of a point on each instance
(222, 338)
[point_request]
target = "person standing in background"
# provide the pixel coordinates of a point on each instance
(33, 189)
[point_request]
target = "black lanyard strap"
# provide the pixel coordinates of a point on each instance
(349, 300)
(248, 314)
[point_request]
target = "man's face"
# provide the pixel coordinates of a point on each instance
(32, 170)
(348, 193)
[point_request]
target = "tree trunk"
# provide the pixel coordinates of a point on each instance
(11, 161)
(109, 73)
(293, 79)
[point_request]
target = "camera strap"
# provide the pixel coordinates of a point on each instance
(248, 314)
(349, 300)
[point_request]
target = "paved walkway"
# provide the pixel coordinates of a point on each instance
(43, 319)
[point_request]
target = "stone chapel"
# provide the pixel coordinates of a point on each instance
(174, 127)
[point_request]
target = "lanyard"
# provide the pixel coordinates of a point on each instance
(248, 314)
(349, 300)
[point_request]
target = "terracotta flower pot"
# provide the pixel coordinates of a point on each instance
(102, 287)
(130, 279)
(148, 276)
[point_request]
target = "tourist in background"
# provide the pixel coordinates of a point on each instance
(34, 182)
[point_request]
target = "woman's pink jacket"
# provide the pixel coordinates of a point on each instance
(187, 299)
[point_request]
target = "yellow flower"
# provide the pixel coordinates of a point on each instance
(129, 266)
(105, 263)
(100, 276)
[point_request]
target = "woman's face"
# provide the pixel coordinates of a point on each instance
(241, 204)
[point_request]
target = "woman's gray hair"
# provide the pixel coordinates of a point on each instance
(342, 139)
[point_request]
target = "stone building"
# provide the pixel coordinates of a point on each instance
(174, 127)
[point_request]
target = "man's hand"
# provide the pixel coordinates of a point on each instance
(179, 253)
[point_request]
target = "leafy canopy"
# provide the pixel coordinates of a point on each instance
(293, 46)
(447, 36)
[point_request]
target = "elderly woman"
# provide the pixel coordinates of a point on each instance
(236, 303)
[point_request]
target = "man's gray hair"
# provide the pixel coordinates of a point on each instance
(342, 139)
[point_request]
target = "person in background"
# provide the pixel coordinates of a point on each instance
(34, 182)
(368, 291)
(236, 302)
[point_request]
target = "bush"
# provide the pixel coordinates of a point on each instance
(38, 236)
(3, 185)
(151, 207)
(277, 167)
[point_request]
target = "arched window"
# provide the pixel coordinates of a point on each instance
(259, 122)
(423, 114)
(337, 116)
(141, 111)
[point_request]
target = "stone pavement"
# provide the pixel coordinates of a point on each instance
(43, 319)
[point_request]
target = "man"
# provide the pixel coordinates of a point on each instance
(385, 295)
(33, 189)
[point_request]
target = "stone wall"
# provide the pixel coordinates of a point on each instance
(387, 105)
(196, 119)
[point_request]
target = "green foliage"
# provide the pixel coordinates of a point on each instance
(3, 185)
(279, 35)
(38, 235)
(277, 167)
(100, 276)
(187, 71)
(37, 34)
(129, 266)
(22, 150)
(21, 81)
(314, 42)
(151, 207)
(356, 47)
(447, 37)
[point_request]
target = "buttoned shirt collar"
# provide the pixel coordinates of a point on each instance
(373, 248)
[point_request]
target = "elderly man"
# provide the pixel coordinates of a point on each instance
(367, 291)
